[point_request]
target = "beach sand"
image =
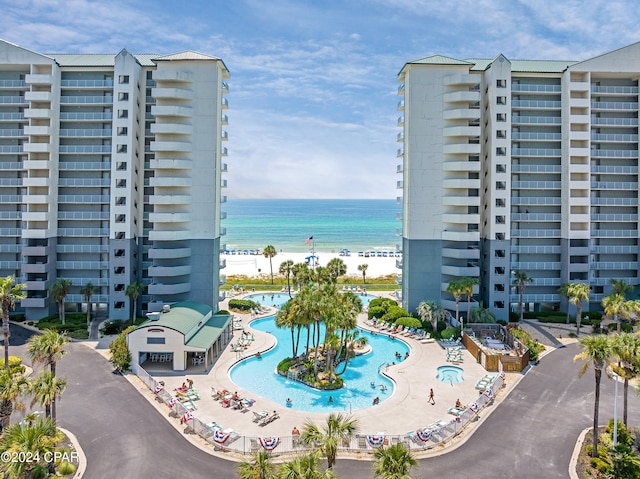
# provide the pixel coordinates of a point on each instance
(256, 265)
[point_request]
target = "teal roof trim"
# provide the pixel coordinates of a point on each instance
(182, 317)
(210, 332)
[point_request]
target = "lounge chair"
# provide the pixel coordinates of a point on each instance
(269, 419)
(259, 416)
(456, 411)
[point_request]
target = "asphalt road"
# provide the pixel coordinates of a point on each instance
(530, 435)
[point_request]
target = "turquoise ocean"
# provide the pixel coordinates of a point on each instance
(358, 225)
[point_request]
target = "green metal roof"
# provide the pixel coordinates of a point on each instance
(107, 59)
(440, 60)
(525, 66)
(182, 317)
(210, 332)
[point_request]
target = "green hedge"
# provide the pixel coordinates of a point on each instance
(376, 312)
(450, 333)
(73, 322)
(242, 304)
(409, 322)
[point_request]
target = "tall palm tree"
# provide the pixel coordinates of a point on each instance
(467, 289)
(338, 429)
(286, 319)
(10, 292)
(261, 466)
(620, 286)
(304, 467)
(563, 291)
(59, 290)
(393, 462)
(625, 347)
(431, 311)
(286, 268)
(615, 307)
(336, 268)
(577, 293)
(597, 350)
(12, 386)
(133, 291)
(46, 389)
(363, 269)
(38, 437)
(521, 280)
(47, 348)
(456, 288)
(87, 291)
(269, 251)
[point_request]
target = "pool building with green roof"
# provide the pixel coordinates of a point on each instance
(518, 165)
(183, 336)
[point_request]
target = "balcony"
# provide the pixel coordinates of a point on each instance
(169, 217)
(86, 100)
(170, 164)
(171, 129)
(461, 79)
(174, 235)
(44, 96)
(37, 147)
(160, 289)
(462, 149)
(89, 84)
(37, 113)
(160, 253)
(38, 79)
(178, 146)
(614, 105)
(36, 130)
(171, 110)
(170, 182)
(537, 88)
(461, 114)
(169, 271)
(614, 153)
(535, 152)
(534, 104)
(172, 93)
(535, 120)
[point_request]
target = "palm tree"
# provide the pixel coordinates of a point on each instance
(626, 349)
(12, 386)
(304, 467)
(87, 291)
(336, 268)
(10, 292)
(59, 290)
(615, 307)
(577, 293)
(269, 251)
(597, 350)
(286, 268)
(620, 286)
(47, 348)
(456, 288)
(363, 269)
(563, 291)
(467, 288)
(393, 462)
(521, 280)
(46, 388)
(133, 291)
(260, 467)
(338, 429)
(431, 311)
(38, 438)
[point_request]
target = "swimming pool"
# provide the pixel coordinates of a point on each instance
(363, 380)
(278, 299)
(450, 374)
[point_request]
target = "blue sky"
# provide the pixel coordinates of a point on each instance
(313, 104)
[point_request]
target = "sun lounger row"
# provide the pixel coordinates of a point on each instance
(379, 254)
(243, 251)
(484, 382)
(269, 418)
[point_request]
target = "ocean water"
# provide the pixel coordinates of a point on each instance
(358, 225)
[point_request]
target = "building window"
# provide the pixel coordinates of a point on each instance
(123, 113)
(501, 83)
(119, 287)
(121, 218)
(122, 148)
(499, 220)
(500, 151)
(502, 100)
(499, 253)
(121, 166)
(123, 79)
(155, 340)
(498, 304)
(501, 133)
(501, 168)
(121, 201)
(500, 236)
(121, 183)
(498, 270)
(501, 185)
(122, 131)
(118, 305)
(123, 96)
(498, 287)
(118, 270)
(501, 117)
(500, 202)
(120, 235)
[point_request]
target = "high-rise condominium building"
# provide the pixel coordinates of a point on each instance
(110, 174)
(513, 166)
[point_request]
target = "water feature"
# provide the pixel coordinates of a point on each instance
(450, 374)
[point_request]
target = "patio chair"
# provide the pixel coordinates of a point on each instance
(259, 416)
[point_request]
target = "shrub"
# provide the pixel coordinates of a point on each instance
(595, 326)
(409, 322)
(79, 334)
(384, 303)
(602, 466)
(15, 363)
(284, 365)
(450, 333)
(535, 348)
(112, 327)
(242, 305)
(376, 312)
(394, 313)
(119, 350)
(624, 437)
(514, 317)
(502, 322)
(427, 326)
(17, 317)
(441, 326)
(626, 328)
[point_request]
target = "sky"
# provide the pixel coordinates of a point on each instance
(313, 87)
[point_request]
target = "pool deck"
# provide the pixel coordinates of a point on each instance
(406, 410)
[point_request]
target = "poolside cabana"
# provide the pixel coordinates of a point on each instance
(183, 336)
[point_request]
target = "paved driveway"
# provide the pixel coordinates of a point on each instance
(531, 434)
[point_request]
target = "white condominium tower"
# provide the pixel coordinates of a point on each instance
(518, 166)
(110, 174)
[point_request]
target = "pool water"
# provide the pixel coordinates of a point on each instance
(363, 380)
(278, 299)
(450, 374)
